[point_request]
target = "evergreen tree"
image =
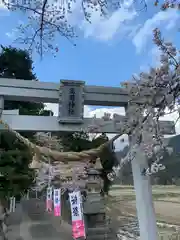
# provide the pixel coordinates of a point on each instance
(16, 63)
(76, 142)
(16, 177)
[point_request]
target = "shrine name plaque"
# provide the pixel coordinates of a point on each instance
(71, 101)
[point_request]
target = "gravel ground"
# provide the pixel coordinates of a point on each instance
(128, 229)
(122, 210)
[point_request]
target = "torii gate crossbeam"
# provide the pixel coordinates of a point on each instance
(23, 90)
(27, 123)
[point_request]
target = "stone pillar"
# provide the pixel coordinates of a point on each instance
(144, 201)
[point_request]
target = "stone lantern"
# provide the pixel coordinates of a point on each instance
(94, 205)
(94, 182)
(96, 222)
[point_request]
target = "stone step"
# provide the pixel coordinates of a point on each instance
(102, 234)
(99, 230)
(94, 236)
(101, 237)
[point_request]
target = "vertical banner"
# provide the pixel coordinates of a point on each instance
(36, 194)
(78, 228)
(49, 199)
(57, 202)
(12, 204)
(27, 195)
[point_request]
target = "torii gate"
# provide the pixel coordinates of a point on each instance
(71, 97)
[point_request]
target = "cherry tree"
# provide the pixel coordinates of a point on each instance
(74, 173)
(47, 19)
(164, 5)
(152, 96)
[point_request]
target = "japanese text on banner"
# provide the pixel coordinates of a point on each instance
(78, 228)
(57, 202)
(75, 206)
(49, 199)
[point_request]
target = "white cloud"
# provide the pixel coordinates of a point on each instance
(120, 21)
(13, 34)
(88, 112)
(144, 68)
(133, 30)
(153, 59)
(3, 10)
(101, 27)
(166, 19)
(105, 29)
(155, 54)
(2, 6)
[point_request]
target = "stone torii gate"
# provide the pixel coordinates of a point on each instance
(71, 97)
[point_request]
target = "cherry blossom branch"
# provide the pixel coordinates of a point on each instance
(49, 23)
(164, 47)
(163, 86)
(52, 18)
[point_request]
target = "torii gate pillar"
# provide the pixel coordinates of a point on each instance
(143, 191)
(144, 202)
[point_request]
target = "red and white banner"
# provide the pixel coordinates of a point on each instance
(78, 227)
(49, 199)
(57, 202)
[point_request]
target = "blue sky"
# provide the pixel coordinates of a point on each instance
(108, 51)
(114, 50)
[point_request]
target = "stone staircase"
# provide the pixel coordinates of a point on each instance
(43, 225)
(31, 222)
